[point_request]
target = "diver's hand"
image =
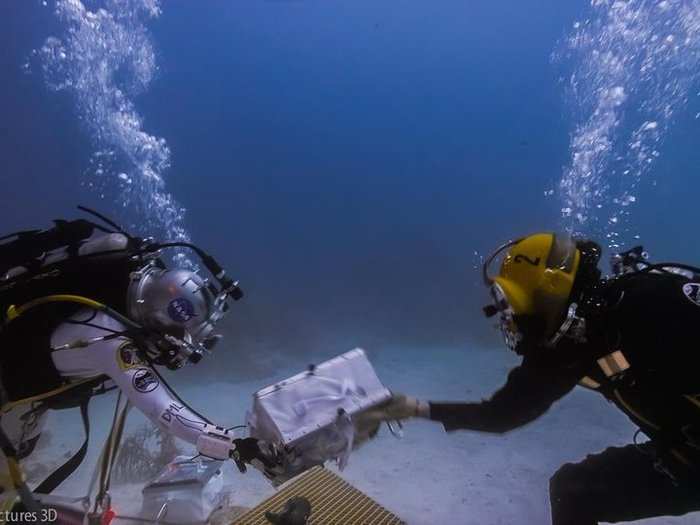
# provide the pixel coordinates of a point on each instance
(260, 454)
(398, 408)
(401, 407)
(277, 464)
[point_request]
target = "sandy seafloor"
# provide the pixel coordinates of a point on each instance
(429, 477)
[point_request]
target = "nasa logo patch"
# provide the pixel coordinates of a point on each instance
(181, 310)
(692, 292)
(145, 381)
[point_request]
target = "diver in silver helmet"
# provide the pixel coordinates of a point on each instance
(179, 304)
(84, 310)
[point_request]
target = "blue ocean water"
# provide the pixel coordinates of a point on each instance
(352, 162)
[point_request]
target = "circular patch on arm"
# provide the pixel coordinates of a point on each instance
(145, 381)
(692, 292)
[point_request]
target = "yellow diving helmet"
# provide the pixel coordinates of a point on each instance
(533, 286)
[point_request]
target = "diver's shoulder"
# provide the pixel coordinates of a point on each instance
(642, 282)
(651, 292)
(85, 324)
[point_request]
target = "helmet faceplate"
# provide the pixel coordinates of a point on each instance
(176, 302)
(535, 280)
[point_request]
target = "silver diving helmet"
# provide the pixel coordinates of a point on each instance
(178, 304)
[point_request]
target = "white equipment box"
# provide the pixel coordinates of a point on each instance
(311, 413)
(186, 491)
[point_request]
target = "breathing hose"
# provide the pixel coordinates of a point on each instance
(13, 312)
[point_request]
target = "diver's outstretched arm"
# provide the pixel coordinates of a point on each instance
(528, 393)
(118, 358)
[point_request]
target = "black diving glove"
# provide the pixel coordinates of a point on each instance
(295, 512)
(260, 454)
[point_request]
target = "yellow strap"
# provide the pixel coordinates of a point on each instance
(40, 397)
(9, 502)
(613, 364)
(16, 474)
(589, 383)
(13, 312)
(693, 400)
(680, 457)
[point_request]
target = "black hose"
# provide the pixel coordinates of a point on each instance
(106, 220)
(176, 396)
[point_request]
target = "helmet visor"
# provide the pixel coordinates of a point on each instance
(562, 254)
(506, 319)
(488, 279)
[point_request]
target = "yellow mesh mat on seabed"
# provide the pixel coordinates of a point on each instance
(333, 501)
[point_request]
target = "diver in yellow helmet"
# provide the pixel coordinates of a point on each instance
(631, 336)
(539, 278)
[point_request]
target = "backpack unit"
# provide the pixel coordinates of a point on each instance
(74, 257)
(79, 258)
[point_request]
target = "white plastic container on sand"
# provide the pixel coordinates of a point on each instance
(311, 412)
(186, 491)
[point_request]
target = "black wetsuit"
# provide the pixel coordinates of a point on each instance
(645, 334)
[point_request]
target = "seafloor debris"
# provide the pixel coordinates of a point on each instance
(143, 454)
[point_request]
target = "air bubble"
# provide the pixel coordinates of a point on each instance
(104, 59)
(625, 71)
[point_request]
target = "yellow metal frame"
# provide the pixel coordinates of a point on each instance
(333, 501)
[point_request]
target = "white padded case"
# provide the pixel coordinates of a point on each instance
(312, 411)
